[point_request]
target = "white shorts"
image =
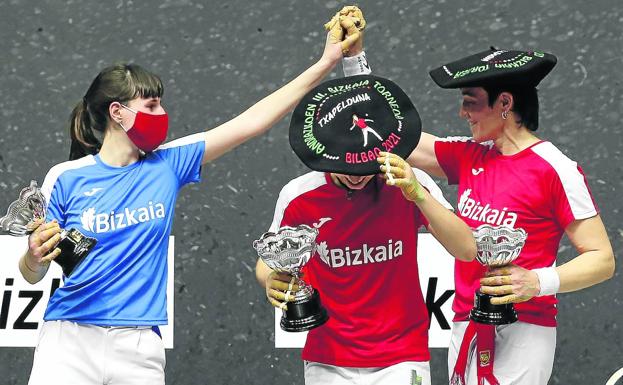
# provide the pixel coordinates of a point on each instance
(76, 354)
(524, 354)
(404, 373)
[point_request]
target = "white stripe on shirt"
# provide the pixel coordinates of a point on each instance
(56, 171)
(488, 143)
(295, 188)
(572, 180)
(186, 140)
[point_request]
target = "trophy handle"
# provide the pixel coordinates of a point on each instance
(29, 207)
(305, 290)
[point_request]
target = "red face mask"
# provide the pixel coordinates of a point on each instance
(148, 131)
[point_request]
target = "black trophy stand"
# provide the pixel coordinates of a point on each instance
(74, 247)
(305, 314)
(485, 312)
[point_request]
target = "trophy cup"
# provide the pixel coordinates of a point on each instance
(287, 251)
(30, 206)
(497, 246)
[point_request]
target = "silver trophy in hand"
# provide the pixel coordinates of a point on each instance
(287, 251)
(497, 246)
(31, 206)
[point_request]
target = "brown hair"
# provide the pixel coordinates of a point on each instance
(117, 83)
(525, 103)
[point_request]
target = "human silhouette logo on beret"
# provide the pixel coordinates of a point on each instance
(362, 123)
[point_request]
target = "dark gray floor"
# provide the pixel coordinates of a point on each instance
(218, 58)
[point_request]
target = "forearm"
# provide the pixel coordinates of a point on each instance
(595, 260)
(453, 234)
(31, 271)
(268, 111)
(585, 270)
(260, 117)
(424, 157)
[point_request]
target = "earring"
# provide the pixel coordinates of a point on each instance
(504, 115)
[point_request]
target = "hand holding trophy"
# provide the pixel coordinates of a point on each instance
(26, 216)
(286, 252)
(497, 246)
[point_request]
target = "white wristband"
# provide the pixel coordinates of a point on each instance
(549, 281)
(356, 65)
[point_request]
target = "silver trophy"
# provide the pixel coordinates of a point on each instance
(31, 206)
(287, 251)
(497, 246)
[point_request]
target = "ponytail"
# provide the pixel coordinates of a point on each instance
(83, 140)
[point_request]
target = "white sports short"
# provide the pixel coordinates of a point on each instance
(524, 354)
(76, 354)
(404, 373)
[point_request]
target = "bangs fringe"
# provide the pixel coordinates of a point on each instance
(143, 83)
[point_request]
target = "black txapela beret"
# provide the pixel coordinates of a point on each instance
(341, 125)
(495, 67)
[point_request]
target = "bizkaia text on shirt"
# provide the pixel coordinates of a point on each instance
(470, 208)
(364, 255)
(101, 223)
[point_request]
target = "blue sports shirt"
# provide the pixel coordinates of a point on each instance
(129, 210)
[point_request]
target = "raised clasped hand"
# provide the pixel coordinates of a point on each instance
(346, 28)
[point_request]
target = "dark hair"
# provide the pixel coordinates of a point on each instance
(121, 83)
(525, 103)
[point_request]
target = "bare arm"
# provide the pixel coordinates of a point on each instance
(595, 262)
(260, 117)
(453, 234)
(424, 158)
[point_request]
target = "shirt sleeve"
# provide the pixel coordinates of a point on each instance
(285, 215)
(52, 190)
(184, 156)
(451, 152)
(572, 198)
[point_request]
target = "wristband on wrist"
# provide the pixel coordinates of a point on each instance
(549, 281)
(356, 65)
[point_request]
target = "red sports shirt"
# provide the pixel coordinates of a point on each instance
(365, 270)
(538, 189)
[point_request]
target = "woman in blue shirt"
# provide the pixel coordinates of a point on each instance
(99, 327)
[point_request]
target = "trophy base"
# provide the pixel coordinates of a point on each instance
(74, 247)
(304, 315)
(486, 313)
